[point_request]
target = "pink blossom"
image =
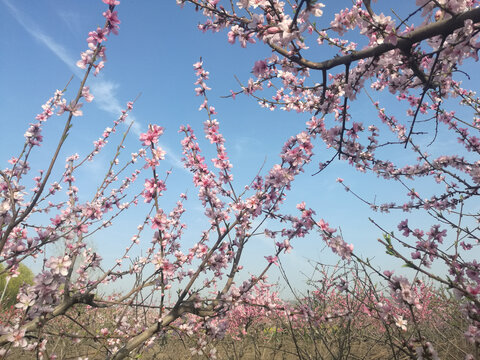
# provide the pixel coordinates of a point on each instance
(111, 2)
(151, 136)
(401, 323)
(17, 338)
(260, 68)
(272, 259)
(86, 94)
(59, 265)
(86, 59)
(73, 108)
(97, 37)
(113, 21)
(98, 68)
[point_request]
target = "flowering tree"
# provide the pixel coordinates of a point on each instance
(418, 64)
(418, 58)
(203, 275)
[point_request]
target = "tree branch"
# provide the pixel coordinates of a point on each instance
(443, 27)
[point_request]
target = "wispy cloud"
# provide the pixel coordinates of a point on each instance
(29, 26)
(103, 90)
(71, 20)
(107, 100)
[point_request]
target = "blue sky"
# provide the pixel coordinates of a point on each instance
(153, 55)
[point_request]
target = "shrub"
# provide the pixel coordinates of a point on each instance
(10, 286)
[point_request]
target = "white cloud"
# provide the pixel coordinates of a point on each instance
(173, 157)
(106, 99)
(29, 26)
(71, 20)
(103, 90)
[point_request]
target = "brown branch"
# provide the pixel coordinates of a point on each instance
(175, 313)
(63, 137)
(443, 27)
(424, 92)
(59, 310)
(344, 112)
(295, 17)
(368, 6)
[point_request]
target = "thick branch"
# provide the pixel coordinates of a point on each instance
(175, 313)
(59, 310)
(444, 27)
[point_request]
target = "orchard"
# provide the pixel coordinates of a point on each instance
(388, 93)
